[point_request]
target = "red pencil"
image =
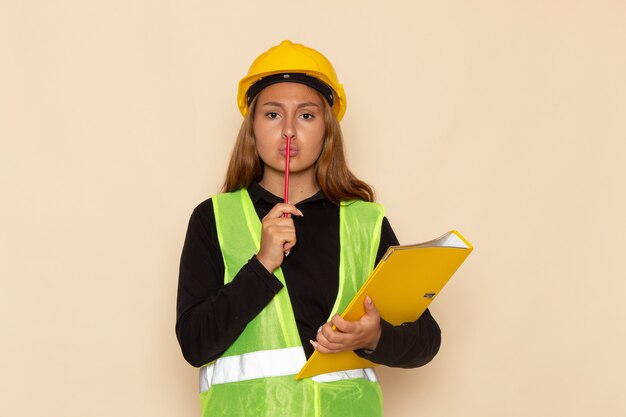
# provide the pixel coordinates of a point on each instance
(286, 191)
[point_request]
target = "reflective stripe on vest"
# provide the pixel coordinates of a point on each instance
(268, 363)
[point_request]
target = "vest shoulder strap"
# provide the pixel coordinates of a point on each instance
(359, 233)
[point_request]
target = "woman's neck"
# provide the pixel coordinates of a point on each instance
(300, 187)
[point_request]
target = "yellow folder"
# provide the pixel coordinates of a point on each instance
(402, 286)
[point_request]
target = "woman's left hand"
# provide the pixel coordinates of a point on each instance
(350, 335)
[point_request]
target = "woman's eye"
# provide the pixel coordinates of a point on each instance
(307, 116)
(272, 115)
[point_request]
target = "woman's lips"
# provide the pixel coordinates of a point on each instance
(292, 151)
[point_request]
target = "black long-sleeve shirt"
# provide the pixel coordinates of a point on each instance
(211, 315)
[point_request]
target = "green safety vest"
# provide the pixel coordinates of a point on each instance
(255, 376)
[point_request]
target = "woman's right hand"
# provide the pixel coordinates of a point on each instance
(278, 236)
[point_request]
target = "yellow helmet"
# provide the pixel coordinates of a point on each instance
(292, 62)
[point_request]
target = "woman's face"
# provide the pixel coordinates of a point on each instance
(294, 110)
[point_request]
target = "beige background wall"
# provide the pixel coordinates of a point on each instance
(503, 119)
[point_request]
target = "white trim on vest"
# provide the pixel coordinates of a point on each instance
(269, 363)
(365, 373)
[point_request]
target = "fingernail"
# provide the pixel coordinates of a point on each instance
(368, 299)
(301, 214)
(287, 253)
(320, 329)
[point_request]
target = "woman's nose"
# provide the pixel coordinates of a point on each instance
(289, 129)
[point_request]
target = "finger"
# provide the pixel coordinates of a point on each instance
(370, 308)
(326, 331)
(332, 338)
(279, 209)
(287, 246)
(321, 348)
(342, 324)
(278, 223)
(279, 231)
(326, 344)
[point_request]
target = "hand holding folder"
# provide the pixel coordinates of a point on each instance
(402, 286)
(340, 334)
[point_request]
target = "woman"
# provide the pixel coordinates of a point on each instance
(261, 281)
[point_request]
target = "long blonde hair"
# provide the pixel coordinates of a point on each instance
(332, 174)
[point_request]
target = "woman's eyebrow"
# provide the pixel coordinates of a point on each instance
(308, 104)
(277, 104)
(273, 103)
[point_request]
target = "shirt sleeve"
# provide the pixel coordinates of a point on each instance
(408, 345)
(211, 315)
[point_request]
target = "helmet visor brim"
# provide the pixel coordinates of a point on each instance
(300, 78)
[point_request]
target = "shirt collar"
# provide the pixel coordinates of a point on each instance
(257, 193)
